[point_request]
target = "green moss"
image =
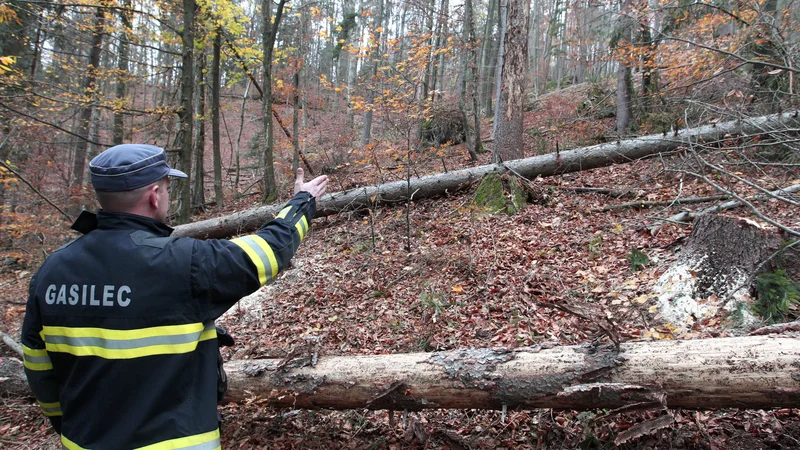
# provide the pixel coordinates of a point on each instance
(491, 195)
(519, 196)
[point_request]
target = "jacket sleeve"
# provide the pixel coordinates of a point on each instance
(38, 367)
(227, 270)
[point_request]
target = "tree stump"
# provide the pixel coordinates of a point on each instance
(721, 254)
(732, 249)
(498, 194)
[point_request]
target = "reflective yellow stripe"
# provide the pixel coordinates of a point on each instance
(284, 212)
(66, 443)
(128, 344)
(302, 227)
(51, 409)
(107, 333)
(36, 359)
(203, 441)
(261, 254)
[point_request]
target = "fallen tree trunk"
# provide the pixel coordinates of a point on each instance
(744, 372)
(544, 165)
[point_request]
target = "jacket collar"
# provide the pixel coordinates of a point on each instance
(103, 220)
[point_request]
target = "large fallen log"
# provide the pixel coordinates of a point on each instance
(744, 372)
(544, 165)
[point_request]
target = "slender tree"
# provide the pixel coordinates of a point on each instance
(90, 97)
(186, 111)
(122, 71)
(269, 33)
(219, 194)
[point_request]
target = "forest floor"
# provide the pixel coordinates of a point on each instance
(443, 275)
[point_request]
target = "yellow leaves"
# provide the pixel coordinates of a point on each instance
(7, 14)
(6, 62)
(458, 289)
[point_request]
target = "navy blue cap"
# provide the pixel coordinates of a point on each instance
(130, 166)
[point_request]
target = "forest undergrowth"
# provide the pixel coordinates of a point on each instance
(443, 275)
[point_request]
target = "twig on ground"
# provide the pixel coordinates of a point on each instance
(777, 328)
(678, 201)
(13, 344)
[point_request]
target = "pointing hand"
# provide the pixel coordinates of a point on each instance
(315, 187)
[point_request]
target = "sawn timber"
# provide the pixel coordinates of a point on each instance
(585, 158)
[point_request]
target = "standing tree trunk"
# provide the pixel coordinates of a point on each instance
(186, 112)
(485, 98)
(122, 74)
(366, 132)
(296, 119)
(472, 134)
(624, 82)
(219, 194)
(198, 190)
(90, 96)
(239, 136)
(269, 33)
(508, 142)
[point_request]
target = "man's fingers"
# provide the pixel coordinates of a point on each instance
(300, 174)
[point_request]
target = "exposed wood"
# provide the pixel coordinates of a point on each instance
(677, 201)
(442, 184)
(742, 372)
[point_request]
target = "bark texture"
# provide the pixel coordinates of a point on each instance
(730, 248)
(508, 134)
(544, 165)
(744, 372)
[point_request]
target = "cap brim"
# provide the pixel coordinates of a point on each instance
(177, 173)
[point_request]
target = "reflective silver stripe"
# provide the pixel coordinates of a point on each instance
(262, 255)
(37, 359)
(125, 344)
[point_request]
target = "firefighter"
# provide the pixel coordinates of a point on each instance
(119, 341)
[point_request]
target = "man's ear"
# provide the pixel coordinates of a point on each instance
(152, 196)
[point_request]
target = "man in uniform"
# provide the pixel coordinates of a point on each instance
(119, 341)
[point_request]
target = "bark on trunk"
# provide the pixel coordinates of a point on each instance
(90, 91)
(544, 165)
(508, 142)
(745, 372)
(741, 372)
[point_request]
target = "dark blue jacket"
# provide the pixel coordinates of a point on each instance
(119, 342)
